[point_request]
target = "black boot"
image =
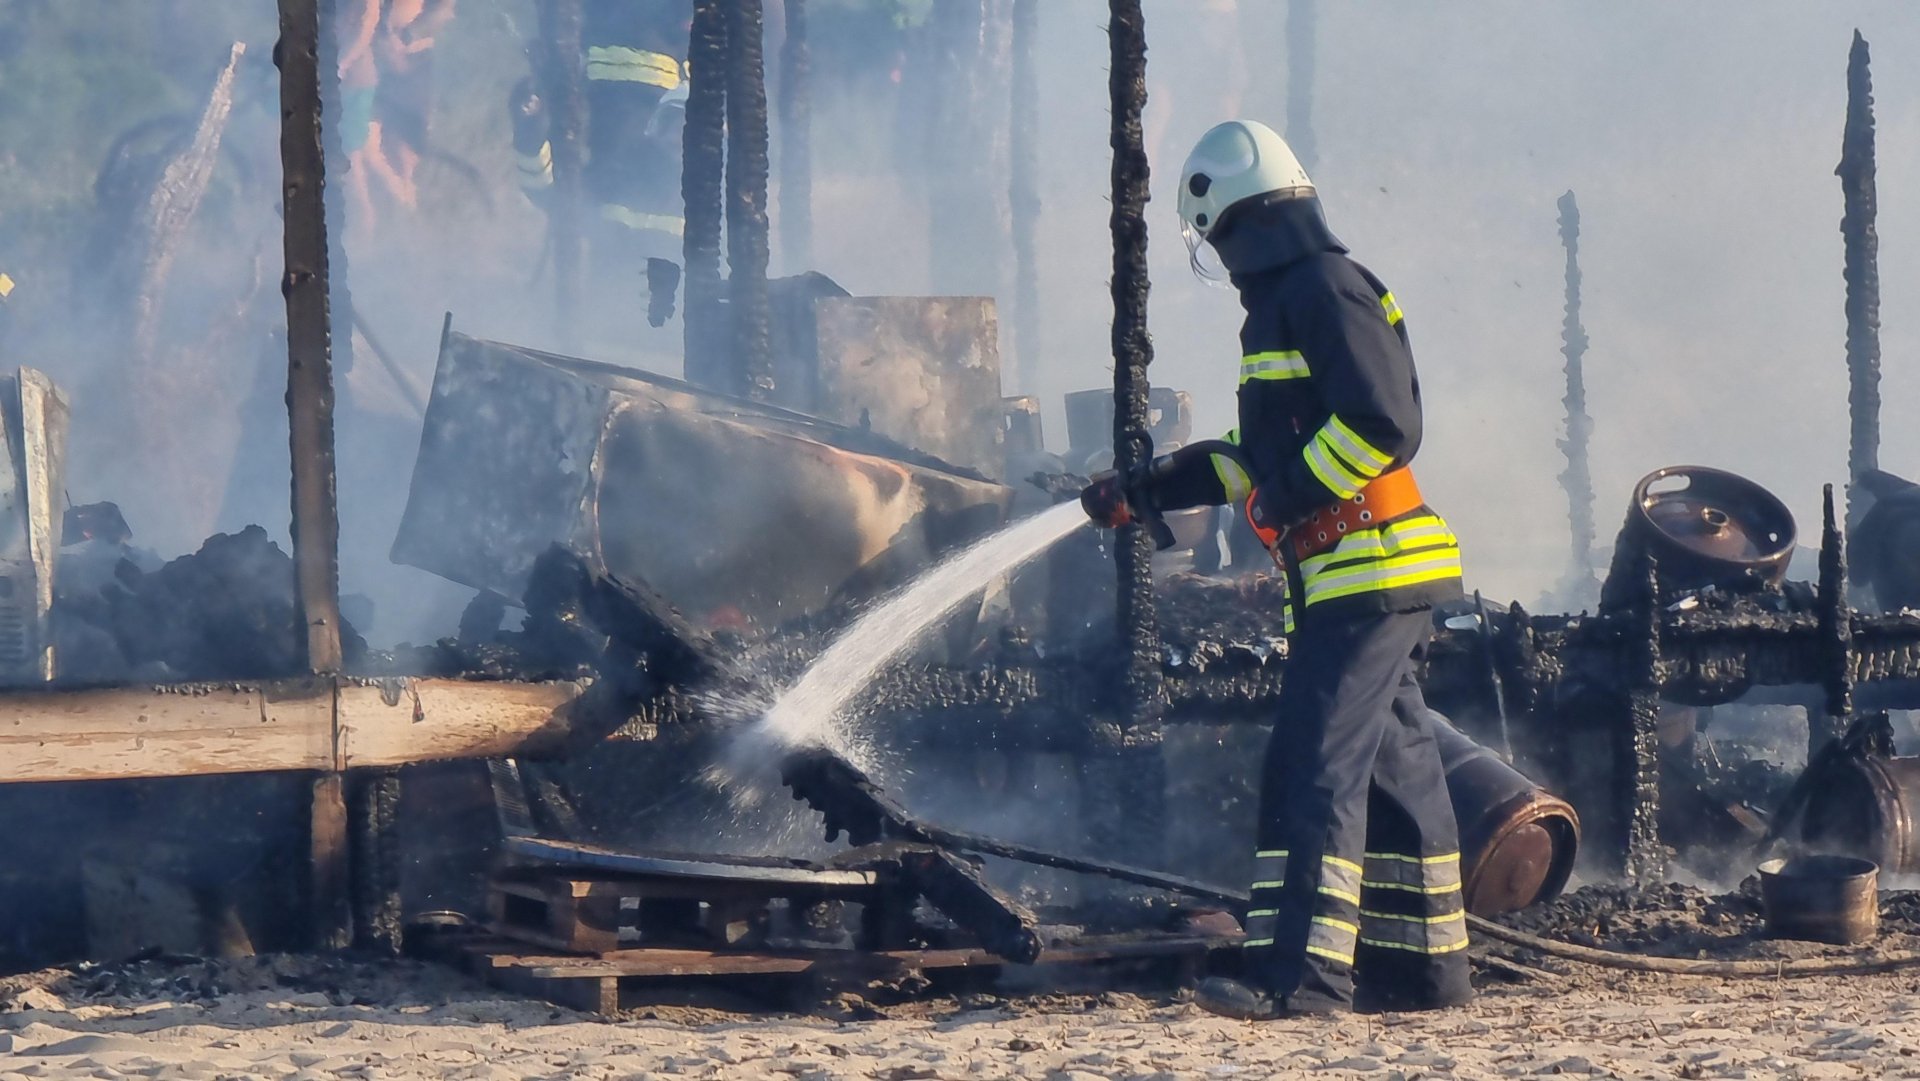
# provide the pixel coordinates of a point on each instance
(1244, 1002)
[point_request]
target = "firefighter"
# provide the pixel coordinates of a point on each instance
(1357, 867)
(635, 90)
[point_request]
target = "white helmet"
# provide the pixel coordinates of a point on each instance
(1234, 162)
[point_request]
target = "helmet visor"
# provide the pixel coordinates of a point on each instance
(1202, 257)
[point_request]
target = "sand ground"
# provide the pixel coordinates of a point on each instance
(309, 1019)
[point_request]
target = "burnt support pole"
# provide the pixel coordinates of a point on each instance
(1637, 753)
(1023, 195)
(1576, 479)
(702, 187)
(1301, 18)
(796, 142)
(563, 70)
(316, 519)
(1142, 784)
(1836, 635)
(747, 224)
(1857, 228)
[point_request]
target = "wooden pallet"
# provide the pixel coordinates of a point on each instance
(594, 983)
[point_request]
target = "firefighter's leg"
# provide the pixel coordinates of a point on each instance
(1413, 929)
(1304, 921)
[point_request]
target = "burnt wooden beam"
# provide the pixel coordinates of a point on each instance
(747, 222)
(796, 141)
(1577, 478)
(702, 189)
(1636, 736)
(1835, 636)
(330, 912)
(316, 517)
(1862, 272)
(562, 70)
(1140, 781)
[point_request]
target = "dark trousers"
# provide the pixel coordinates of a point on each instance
(1359, 859)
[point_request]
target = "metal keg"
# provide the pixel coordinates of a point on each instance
(1863, 805)
(1704, 527)
(1517, 840)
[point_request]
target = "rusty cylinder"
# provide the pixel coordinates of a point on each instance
(1864, 806)
(1517, 840)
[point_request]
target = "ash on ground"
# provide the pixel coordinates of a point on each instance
(1675, 920)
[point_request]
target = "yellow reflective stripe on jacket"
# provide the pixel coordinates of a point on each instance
(6, 286)
(1434, 565)
(1399, 537)
(620, 64)
(1233, 479)
(1342, 481)
(1366, 458)
(639, 219)
(1283, 365)
(1392, 308)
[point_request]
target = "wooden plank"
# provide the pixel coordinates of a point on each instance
(331, 912)
(165, 731)
(190, 730)
(394, 722)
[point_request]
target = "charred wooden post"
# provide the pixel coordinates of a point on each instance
(1142, 786)
(330, 910)
(1577, 479)
(339, 280)
(1836, 636)
(1023, 196)
(316, 520)
(563, 70)
(796, 142)
(747, 172)
(1857, 227)
(1300, 31)
(373, 805)
(703, 157)
(1637, 754)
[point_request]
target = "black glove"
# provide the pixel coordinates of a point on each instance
(1106, 502)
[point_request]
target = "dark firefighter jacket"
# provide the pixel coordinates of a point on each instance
(1328, 401)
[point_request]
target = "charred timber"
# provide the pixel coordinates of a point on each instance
(747, 223)
(1143, 785)
(316, 515)
(339, 279)
(562, 70)
(1857, 227)
(1577, 478)
(703, 163)
(1835, 625)
(796, 141)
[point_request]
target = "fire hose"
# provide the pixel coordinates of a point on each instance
(1688, 966)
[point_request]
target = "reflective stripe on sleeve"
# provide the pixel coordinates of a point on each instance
(1288, 364)
(1366, 458)
(1392, 309)
(620, 64)
(1331, 471)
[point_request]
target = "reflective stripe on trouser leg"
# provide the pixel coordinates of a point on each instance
(1269, 878)
(1333, 923)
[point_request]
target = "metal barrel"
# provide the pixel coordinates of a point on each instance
(1864, 806)
(1517, 840)
(1821, 899)
(1704, 527)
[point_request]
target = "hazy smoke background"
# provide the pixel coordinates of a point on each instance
(1701, 141)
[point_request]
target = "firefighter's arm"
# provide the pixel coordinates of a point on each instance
(1364, 375)
(1189, 477)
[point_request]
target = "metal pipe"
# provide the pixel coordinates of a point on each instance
(316, 518)
(1856, 173)
(703, 157)
(747, 169)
